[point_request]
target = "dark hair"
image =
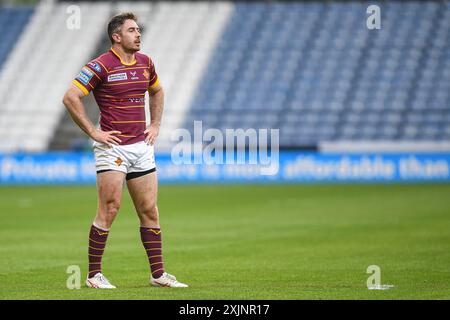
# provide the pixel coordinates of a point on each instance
(117, 21)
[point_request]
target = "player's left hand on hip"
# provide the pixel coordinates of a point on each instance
(152, 132)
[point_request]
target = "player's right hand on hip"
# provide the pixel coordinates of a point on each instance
(106, 137)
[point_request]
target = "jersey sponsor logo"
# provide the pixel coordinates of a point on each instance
(95, 66)
(87, 71)
(117, 77)
(85, 76)
(137, 100)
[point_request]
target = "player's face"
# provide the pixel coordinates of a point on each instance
(130, 36)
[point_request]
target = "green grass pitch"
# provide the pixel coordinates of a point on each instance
(236, 242)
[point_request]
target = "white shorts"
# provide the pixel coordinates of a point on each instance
(134, 160)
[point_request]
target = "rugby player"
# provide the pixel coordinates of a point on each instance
(123, 145)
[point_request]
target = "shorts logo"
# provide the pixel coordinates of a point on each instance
(117, 77)
(118, 161)
(95, 66)
(85, 76)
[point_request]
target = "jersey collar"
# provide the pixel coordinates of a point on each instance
(121, 61)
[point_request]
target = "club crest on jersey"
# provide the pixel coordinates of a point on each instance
(146, 74)
(117, 77)
(95, 66)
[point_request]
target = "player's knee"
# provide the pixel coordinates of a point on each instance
(112, 208)
(107, 214)
(151, 211)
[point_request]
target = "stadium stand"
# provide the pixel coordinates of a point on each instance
(37, 73)
(15, 19)
(180, 39)
(171, 40)
(316, 72)
(311, 69)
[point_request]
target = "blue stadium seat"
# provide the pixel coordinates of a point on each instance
(12, 22)
(316, 72)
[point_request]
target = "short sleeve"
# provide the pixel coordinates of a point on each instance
(153, 78)
(89, 77)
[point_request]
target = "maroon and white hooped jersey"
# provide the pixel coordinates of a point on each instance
(119, 90)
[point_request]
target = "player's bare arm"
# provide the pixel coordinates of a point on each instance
(74, 104)
(156, 110)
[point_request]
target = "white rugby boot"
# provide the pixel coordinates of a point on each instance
(99, 281)
(167, 280)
